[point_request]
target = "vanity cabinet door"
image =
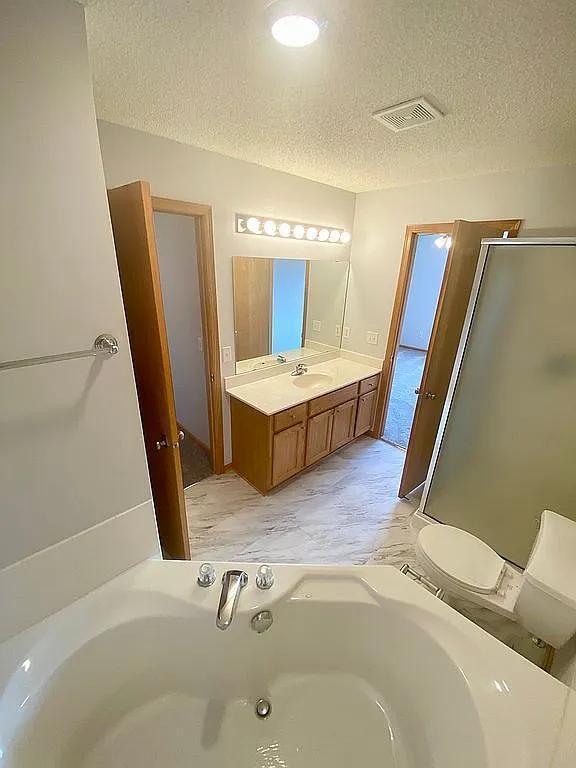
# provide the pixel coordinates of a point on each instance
(319, 436)
(365, 417)
(343, 425)
(288, 453)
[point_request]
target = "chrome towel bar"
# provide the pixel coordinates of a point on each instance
(104, 345)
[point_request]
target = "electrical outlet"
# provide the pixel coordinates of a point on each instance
(200, 344)
(338, 331)
(371, 337)
(226, 354)
(316, 325)
(346, 332)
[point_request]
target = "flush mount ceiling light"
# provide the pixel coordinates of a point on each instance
(295, 31)
(295, 23)
(247, 224)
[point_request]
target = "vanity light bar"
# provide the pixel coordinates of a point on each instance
(247, 224)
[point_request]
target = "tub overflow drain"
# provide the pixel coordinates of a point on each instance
(263, 708)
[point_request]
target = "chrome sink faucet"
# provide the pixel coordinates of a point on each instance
(232, 584)
(300, 370)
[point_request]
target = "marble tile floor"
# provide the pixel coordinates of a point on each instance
(343, 510)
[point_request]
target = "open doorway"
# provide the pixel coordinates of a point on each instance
(179, 280)
(430, 255)
(419, 405)
(153, 301)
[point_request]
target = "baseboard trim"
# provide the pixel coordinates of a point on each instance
(195, 439)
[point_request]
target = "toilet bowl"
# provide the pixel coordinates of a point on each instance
(542, 598)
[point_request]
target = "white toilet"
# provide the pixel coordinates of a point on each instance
(542, 599)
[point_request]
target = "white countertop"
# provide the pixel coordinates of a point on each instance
(277, 393)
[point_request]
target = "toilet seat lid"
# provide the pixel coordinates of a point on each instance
(462, 557)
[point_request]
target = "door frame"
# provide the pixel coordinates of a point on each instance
(400, 300)
(203, 218)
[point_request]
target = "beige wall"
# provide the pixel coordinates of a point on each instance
(186, 173)
(71, 449)
(543, 198)
(176, 242)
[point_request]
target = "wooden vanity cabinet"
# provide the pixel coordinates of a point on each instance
(365, 416)
(319, 434)
(344, 424)
(288, 453)
(267, 450)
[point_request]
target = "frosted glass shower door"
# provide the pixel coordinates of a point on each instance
(508, 448)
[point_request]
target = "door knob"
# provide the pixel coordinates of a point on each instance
(427, 395)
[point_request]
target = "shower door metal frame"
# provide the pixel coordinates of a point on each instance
(476, 286)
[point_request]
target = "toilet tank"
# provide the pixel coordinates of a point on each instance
(546, 604)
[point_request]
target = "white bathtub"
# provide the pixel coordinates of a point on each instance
(361, 666)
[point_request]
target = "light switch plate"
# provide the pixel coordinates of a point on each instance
(346, 332)
(227, 354)
(372, 337)
(200, 344)
(338, 331)
(316, 325)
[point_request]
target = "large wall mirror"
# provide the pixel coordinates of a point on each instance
(286, 309)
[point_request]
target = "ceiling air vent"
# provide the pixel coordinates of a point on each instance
(410, 114)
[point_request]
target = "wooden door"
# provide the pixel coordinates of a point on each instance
(319, 436)
(365, 417)
(288, 453)
(343, 424)
(252, 306)
(444, 340)
(133, 227)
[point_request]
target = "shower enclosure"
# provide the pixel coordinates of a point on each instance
(506, 446)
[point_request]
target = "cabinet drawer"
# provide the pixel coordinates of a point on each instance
(288, 418)
(333, 399)
(367, 385)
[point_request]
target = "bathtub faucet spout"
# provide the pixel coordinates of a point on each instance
(232, 584)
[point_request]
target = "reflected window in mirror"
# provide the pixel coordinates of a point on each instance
(286, 309)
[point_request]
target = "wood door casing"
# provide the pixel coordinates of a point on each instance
(447, 328)
(318, 436)
(343, 424)
(365, 416)
(133, 229)
(288, 453)
(252, 281)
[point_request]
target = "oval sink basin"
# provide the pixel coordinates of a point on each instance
(307, 380)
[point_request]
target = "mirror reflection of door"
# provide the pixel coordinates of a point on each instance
(286, 309)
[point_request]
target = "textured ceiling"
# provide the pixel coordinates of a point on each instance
(208, 73)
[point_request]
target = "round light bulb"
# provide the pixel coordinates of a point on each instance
(284, 229)
(311, 233)
(253, 225)
(334, 235)
(298, 231)
(345, 237)
(440, 241)
(295, 31)
(270, 227)
(323, 235)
